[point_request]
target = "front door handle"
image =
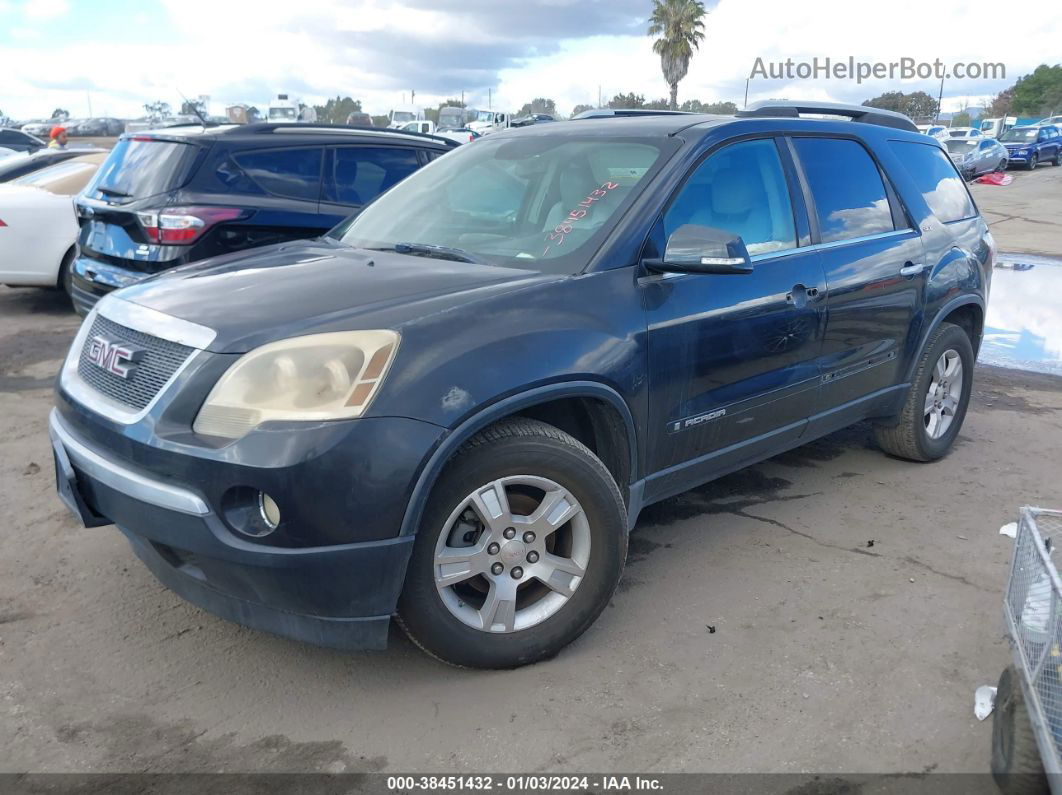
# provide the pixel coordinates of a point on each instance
(800, 295)
(910, 269)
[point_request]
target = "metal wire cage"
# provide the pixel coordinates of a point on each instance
(1033, 614)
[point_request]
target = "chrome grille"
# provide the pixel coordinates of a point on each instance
(160, 361)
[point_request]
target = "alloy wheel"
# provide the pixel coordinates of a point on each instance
(944, 394)
(512, 553)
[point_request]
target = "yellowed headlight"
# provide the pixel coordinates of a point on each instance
(317, 377)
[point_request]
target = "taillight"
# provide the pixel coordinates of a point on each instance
(179, 226)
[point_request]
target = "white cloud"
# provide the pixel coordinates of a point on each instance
(43, 10)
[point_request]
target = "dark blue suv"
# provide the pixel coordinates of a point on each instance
(453, 407)
(169, 197)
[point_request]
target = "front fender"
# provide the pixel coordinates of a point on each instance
(498, 410)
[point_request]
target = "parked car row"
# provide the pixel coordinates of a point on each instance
(975, 153)
(95, 126)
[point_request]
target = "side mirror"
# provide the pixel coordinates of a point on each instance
(703, 249)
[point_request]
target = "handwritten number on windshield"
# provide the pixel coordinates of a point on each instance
(563, 229)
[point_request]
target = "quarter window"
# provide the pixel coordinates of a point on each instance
(740, 189)
(937, 179)
(850, 197)
(295, 173)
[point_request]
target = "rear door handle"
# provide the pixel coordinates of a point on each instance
(911, 269)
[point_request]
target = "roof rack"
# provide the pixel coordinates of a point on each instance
(607, 113)
(860, 113)
(318, 129)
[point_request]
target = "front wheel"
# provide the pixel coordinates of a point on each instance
(1033, 161)
(521, 547)
(936, 401)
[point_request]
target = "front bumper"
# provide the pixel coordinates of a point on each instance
(336, 594)
(1014, 157)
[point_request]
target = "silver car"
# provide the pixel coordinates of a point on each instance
(976, 156)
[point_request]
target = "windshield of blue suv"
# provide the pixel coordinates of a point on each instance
(525, 202)
(1019, 134)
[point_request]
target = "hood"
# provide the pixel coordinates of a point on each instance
(307, 287)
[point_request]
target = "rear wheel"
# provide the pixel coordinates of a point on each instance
(936, 401)
(65, 279)
(521, 548)
(1016, 764)
(1002, 165)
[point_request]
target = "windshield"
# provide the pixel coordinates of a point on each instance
(485, 115)
(139, 167)
(1019, 134)
(402, 115)
(452, 117)
(521, 202)
(961, 145)
(280, 114)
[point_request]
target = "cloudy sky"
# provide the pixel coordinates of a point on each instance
(119, 54)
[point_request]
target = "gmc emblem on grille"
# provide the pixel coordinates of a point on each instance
(114, 356)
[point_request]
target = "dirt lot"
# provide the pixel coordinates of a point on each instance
(831, 610)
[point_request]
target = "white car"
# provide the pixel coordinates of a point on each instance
(38, 225)
(964, 132)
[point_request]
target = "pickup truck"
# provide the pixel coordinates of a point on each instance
(427, 127)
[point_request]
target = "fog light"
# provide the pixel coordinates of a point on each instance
(269, 510)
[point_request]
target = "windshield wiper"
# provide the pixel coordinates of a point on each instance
(438, 252)
(112, 192)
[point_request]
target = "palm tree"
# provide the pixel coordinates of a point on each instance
(680, 26)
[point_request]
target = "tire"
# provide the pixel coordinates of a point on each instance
(65, 279)
(914, 436)
(1016, 764)
(448, 621)
(1033, 161)
(1057, 159)
(1002, 165)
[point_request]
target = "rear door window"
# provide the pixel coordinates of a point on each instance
(140, 167)
(294, 173)
(361, 173)
(936, 178)
(848, 192)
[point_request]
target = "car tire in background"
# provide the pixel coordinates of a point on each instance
(65, 278)
(1016, 764)
(936, 401)
(522, 504)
